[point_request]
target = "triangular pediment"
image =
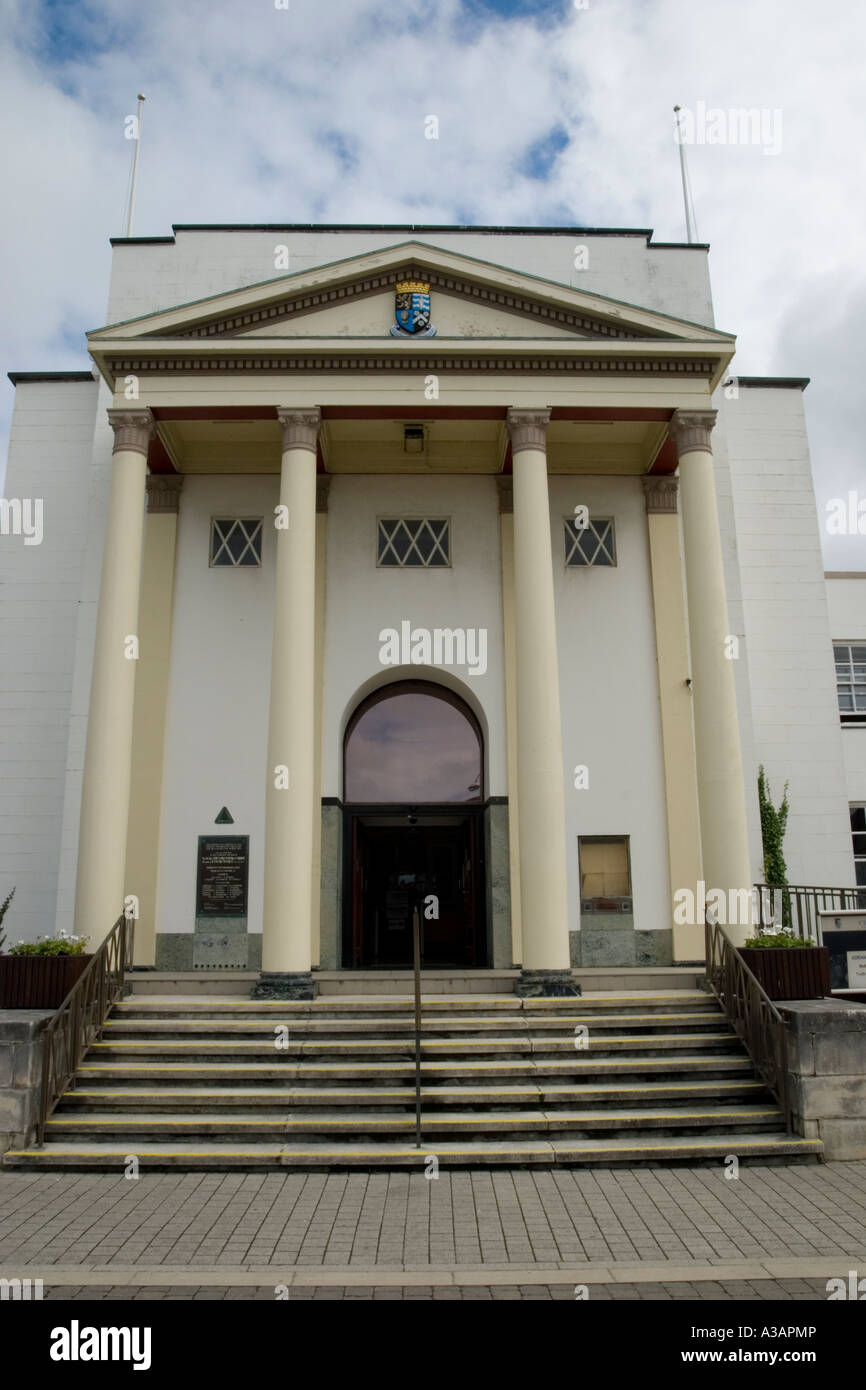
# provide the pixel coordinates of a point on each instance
(354, 300)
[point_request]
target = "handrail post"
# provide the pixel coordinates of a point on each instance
(416, 952)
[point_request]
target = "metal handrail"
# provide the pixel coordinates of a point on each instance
(416, 952)
(81, 1018)
(753, 1015)
(800, 905)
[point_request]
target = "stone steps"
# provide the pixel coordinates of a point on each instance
(564, 1152)
(211, 1083)
(309, 1099)
(368, 1124)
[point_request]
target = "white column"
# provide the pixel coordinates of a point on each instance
(721, 789)
(99, 891)
(541, 796)
(289, 838)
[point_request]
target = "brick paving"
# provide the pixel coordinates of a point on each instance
(219, 1235)
(776, 1290)
(463, 1219)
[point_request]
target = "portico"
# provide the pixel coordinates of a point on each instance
(292, 385)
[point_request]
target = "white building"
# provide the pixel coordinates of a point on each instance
(329, 618)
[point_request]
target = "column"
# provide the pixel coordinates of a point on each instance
(505, 487)
(288, 888)
(99, 890)
(721, 790)
(675, 705)
(323, 487)
(541, 795)
(151, 696)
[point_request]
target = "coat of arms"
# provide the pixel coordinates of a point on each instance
(412, 310)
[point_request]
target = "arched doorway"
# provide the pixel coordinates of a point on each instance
(413, 785)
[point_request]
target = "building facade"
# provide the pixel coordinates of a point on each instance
(397, 567)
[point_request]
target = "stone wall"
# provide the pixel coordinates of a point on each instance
(827, 1073)
(20, 1073)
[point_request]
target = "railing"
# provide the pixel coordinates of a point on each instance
(796, 907)
(416, 961)
(81, 1018)
(755, 1018)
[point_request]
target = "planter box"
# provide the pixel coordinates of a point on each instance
(38, 982)
(790, 972)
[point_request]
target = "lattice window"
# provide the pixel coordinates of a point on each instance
(413, 542)
(851, 681)
(236, 541)
(593, 544)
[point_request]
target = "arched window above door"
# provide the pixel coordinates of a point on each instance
(413, 743)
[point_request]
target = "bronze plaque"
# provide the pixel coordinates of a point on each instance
(223, 875)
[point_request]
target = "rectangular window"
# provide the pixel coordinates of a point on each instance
(850, 661)
(413, 543)
(858, 835)
(236, 541)
(593, 544)
(605, 873)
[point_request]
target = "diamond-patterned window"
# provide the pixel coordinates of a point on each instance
(850, 661)
(593, 544)
(413, 542)
(236, 541)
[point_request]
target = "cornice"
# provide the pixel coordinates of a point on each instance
(294, 306)
(405, 362)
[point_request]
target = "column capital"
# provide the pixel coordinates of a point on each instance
(300, 427)
(505, 488)
(661, 494)
(133, 430)
(163, 491)
(691, 429)
(528, 429)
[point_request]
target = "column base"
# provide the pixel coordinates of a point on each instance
(275, 984)
(556, 984)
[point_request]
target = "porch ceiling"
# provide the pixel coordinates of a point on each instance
(450, 445)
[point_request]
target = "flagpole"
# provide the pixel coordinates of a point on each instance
(141, 100)
(691, 229)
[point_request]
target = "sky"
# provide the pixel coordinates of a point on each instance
(554, 112)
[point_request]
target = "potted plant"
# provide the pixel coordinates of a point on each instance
(39, 974)
(787, 966)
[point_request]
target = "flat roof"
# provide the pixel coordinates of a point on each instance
(774, 383)
(29, 378)
(425, 227)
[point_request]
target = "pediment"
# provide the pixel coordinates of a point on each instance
(354, 299)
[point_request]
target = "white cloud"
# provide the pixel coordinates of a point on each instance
(317, 114)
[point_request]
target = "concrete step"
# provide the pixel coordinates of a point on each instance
(367, 1050)
(335, 984)
(176, 1027)
(311, 1073)
(192, 1006)
(551, 1152)
(363, 1125)
(139, 1099)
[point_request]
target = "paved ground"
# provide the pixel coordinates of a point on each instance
(739, 1290)
(634, 1233)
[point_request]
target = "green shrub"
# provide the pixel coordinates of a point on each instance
(774, 821)
(780, 938)
(61, 945)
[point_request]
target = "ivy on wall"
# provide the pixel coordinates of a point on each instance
(774, 821)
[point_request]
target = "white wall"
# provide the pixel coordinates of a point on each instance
(847, 602)
(217, 717)
(362, 600)
(145, 278)
(609, 694)
(795, 723)
(49, 458)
